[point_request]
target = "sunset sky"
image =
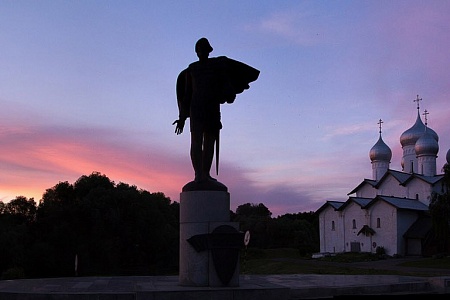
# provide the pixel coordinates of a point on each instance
(89, 86)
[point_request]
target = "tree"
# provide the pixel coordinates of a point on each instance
(298, 231)
(113, 229)
(22, 208)
(440, 212)
(250, 209)
(16, 218)
(255, 218)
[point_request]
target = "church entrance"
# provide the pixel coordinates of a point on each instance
(355, 247)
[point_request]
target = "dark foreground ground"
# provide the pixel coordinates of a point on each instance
(260, 287)
(423, 284)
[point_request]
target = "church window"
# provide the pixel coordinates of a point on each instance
(354, 224)
(332, 226)
(378, 223)
(417, 196)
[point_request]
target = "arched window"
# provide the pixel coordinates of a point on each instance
(332, 226)
(354, 224)
(378, 223)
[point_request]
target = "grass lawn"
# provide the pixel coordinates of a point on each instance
(289, 261)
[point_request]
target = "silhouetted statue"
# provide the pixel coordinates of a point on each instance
(201, 88)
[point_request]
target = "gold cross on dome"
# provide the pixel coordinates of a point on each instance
(417, 100)
(379, 123)
(425, 113)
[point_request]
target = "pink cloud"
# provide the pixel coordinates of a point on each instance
(37, 158)
(34, 159)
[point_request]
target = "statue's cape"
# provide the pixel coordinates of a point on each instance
(239, 74)
(236, 78)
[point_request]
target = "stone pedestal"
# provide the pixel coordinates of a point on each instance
(200, 213)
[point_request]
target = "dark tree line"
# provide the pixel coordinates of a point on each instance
(97, 227)
(109, 229)
(440, 213)
(299, 231)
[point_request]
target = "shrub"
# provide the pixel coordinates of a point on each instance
(380, 250)
(13, 273)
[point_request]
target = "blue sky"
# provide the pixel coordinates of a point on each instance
(90, 86)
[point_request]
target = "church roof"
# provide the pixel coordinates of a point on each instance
(366, 230)
(402, 178)
(410, 136)
(428, 179)
(333, 204)
(371, 182)
(358, 200)
(400, 203)
(380, 151)
(426, 144)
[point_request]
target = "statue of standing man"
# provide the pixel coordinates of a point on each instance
(201, 89)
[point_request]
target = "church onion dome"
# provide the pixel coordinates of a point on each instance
(426, 144)
(380, 151)
(410, 136)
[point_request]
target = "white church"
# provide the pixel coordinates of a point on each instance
(391, 209)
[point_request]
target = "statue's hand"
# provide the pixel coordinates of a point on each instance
(231, 98)
(180, 126)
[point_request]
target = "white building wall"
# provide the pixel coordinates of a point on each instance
(353, 212)
(427, 165)
(340, 244)
(366, 191)
(421, 188)
(379, 168)
(409, 159)
(331, 240)
(365, 240)
(385, 235)
(391, 187)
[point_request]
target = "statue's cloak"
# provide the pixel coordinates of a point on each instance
(236, 77)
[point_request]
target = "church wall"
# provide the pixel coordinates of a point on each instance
(331, 240)
(354, 220)
(386, 234)
(420, 188)
(379, 168)
(391, 187)
(366, 191)
(409, 159)
(366, 240)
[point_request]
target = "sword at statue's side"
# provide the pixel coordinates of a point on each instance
(217, 152)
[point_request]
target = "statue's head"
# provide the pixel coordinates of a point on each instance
(203, 45)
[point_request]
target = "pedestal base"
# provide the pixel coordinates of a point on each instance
(200, 213)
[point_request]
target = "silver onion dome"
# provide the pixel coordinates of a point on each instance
(380, 151)
(410, 136)
(426, 144)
